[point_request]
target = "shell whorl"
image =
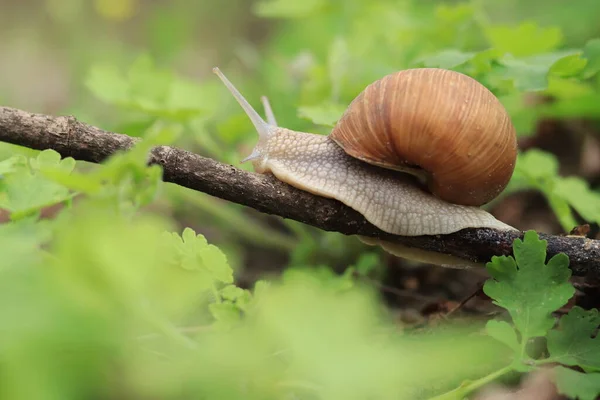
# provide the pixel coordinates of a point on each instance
(444, 124)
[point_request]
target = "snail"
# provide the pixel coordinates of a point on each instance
(417, 152)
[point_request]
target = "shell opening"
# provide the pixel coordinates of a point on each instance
(265, 130)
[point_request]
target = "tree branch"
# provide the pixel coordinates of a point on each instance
(72, 138)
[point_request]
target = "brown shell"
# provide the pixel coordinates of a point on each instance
(445, 123)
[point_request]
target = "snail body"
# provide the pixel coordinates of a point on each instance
(366, 161)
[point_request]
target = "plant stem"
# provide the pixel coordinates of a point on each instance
(460, 392)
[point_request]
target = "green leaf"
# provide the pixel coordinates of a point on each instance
(192, 252)
(104, 261)
(526, 39)
(524, 75)
(577, 193)
(529, 288)
(539, 170)
(591, 52)
(448, 59)
(25, 191)
(50, 159)
(326, 114)
(577, 385)
(12, 164)
(287, 8)
(503, 332)
(570, 65)
(574, 342)
(483, 61)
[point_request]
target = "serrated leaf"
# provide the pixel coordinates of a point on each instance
(574, 342)
(577, 385)
(51, 160)
(503, 332)
(325, 114)
(194, 253)
(526, 39)
(591, 52)
(529, 288)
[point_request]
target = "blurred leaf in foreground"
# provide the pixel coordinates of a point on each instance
(24, 190)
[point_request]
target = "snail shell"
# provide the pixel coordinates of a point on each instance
(441, 125)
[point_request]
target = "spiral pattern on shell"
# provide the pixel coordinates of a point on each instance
(442, 123)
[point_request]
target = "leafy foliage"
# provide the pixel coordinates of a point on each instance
(538, 170)
(113, 297)
(127, 286)
(531, 290)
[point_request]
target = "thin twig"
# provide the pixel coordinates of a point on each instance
(72, 138)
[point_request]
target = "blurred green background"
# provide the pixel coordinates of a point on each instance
(123, 65)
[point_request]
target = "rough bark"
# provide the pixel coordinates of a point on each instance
(72, 138)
